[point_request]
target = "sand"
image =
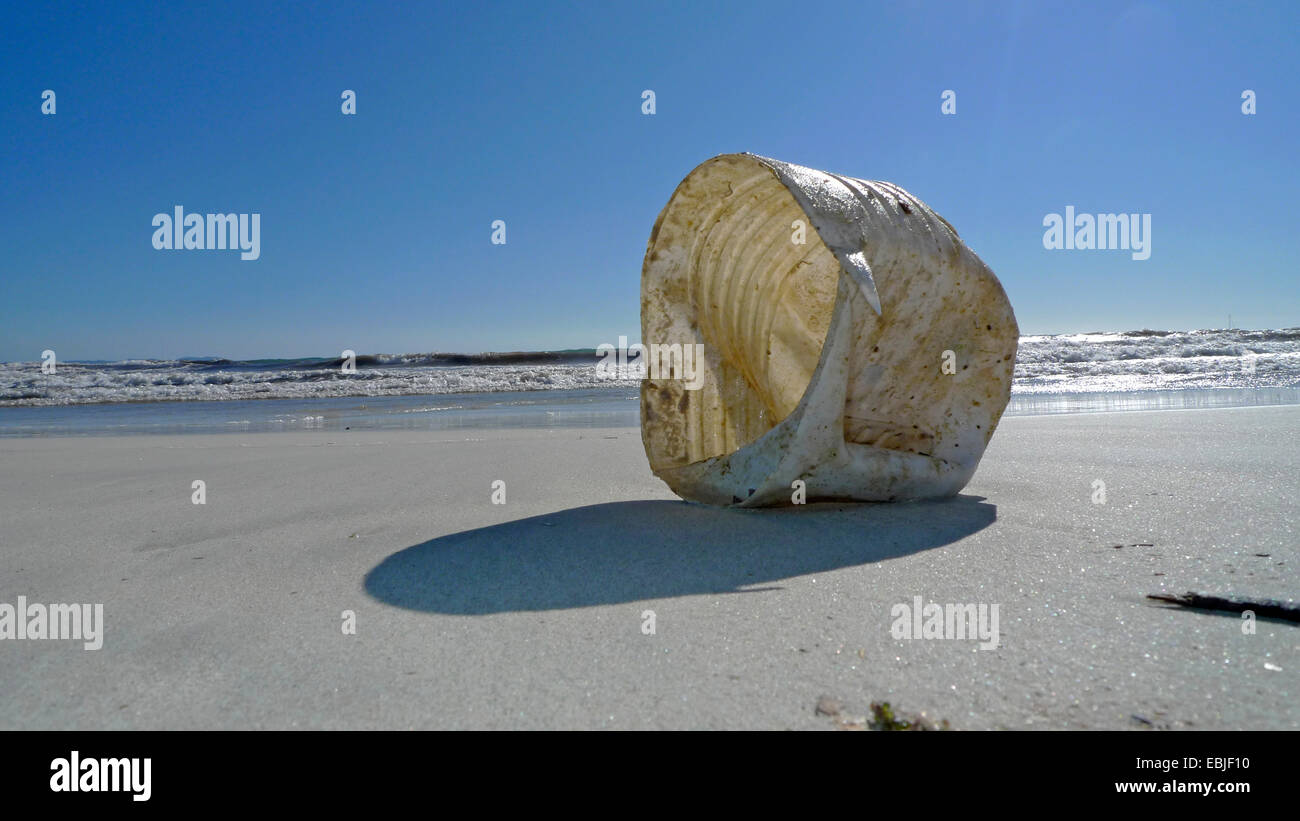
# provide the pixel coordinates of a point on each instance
(530, 614)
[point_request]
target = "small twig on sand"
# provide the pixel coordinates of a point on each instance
(1263, 608)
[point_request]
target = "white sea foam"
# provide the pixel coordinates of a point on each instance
(1157, 360)
(24, 384)
(1067, 363)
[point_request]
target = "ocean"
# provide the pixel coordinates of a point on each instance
(1074, 373)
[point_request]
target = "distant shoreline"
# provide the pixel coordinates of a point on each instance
(1064, 364)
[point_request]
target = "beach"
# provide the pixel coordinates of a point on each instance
(532, 614)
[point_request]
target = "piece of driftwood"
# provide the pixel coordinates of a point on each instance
(1262, 608)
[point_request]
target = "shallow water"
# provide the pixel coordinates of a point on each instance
(582, 408)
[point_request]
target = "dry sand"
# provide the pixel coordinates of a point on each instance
(529, 614)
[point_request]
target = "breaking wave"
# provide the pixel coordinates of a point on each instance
(1065, 363)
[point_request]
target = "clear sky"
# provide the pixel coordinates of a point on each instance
(376, 228)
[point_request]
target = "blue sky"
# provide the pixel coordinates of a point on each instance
(375, 228)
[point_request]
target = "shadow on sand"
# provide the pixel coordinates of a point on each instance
(631, 551)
